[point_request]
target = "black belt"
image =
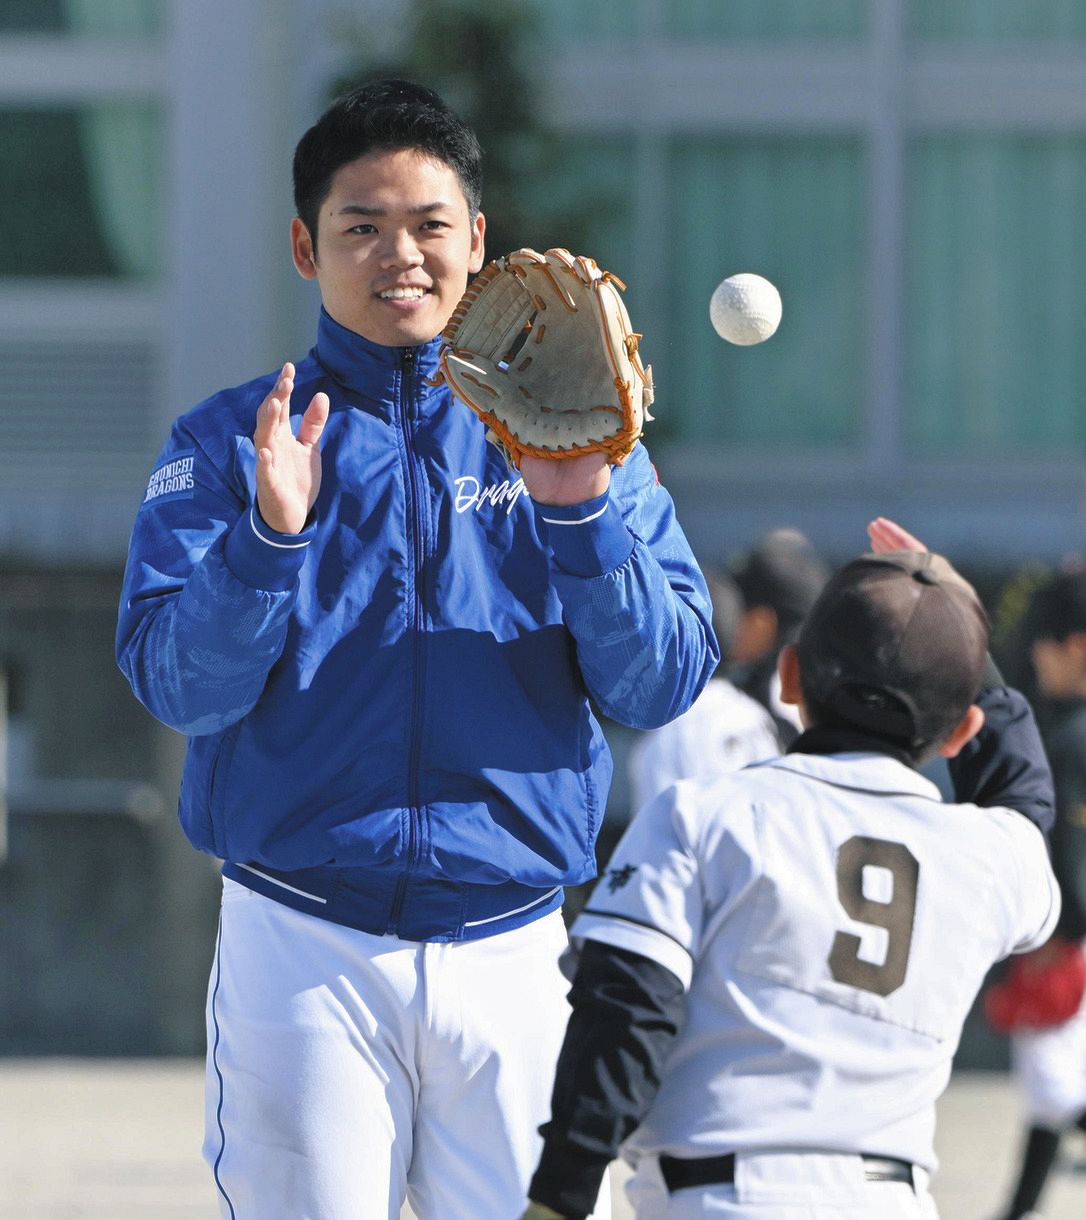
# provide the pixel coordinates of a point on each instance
(719, 1170)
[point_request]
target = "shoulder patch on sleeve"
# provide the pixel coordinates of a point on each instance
(172, 480)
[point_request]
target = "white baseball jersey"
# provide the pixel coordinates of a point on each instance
(722, 731)
(832, 920)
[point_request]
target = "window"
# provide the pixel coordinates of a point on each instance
(993, 19)
(792, 210)
(105, 17)
(577, 19)
(769, 19)
(80, 186)
(995, 297)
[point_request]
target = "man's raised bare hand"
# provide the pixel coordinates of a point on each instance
(288, 467)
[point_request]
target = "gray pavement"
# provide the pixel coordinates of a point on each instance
(120, 1140)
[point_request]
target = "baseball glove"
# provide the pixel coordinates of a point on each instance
(540, 348)
(1040, 989)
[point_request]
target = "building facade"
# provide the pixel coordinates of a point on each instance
(910, 174)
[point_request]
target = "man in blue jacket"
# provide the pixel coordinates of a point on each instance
(382, 645)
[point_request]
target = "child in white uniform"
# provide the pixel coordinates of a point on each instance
(802, 941)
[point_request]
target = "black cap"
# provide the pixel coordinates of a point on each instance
(783, 571)
(1058, 608)
(896, 644)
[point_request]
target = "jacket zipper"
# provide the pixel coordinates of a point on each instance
(418, 553)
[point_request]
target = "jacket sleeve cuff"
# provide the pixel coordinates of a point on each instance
(262, 557)
(587, 539)
(568, 1179)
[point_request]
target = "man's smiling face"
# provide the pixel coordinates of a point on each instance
(395, 245)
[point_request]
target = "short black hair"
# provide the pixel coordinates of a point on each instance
(1058, 608)
(383, 116)
(784, 572)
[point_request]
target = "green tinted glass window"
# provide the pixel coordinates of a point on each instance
(792, 211)
(80, 16)
(33, 16)
(769, 19)
(995, 295)
(997, 18)
(580, 19)
(81, 188)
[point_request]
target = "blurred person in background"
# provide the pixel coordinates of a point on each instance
(779, 580)
(724, 730)
(1050, 1063)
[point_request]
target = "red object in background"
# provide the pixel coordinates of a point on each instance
(1041, 989)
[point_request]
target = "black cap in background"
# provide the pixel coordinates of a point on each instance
(784, 572)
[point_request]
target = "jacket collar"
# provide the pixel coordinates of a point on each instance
(844, 739)
(366, 367)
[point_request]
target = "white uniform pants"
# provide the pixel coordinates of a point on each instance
(784, 1186)
(348, 1071)
(1050, 1066)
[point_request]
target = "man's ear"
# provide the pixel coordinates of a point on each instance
(788, 671)
(301, 248)
(971, 724)
(477, 255)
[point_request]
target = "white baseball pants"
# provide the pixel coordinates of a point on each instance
(783, 1186)
(1050, 1067)
(347, 1072)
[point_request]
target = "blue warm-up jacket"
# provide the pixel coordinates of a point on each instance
(388, 714)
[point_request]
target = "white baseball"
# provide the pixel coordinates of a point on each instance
(745, 309)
